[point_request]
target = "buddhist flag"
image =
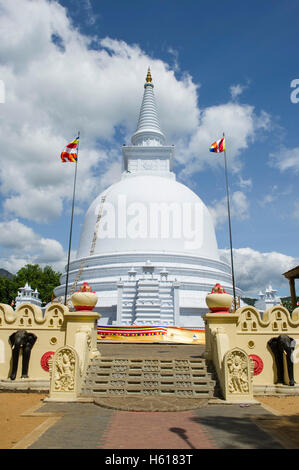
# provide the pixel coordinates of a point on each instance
(218, 146)
(69, 153)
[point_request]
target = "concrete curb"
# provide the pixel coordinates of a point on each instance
(278, 389)
(24, 385)
(149, 404)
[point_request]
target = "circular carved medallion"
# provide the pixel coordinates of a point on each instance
(258, 364)
(44, 362)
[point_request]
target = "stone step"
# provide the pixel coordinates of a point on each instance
(146, 366)
(128, 382)
(162, 362)
(133, 369)
(150, 372)
(142, 376)
(171, 392)
(191, 391)
(150, 377)
(179, 378)
(138, 385)
(149, 368)
(141, 367)
(108, 375)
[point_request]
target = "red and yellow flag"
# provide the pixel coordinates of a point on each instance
(69, 153)
(218, 146)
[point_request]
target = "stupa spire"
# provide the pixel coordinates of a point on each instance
(148, 128)
(149, 76)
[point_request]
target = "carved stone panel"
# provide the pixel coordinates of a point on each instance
(64, 372)
(237, 375)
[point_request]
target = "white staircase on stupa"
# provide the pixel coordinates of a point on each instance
(127, 300)
(167, 302)
(148, 304)
(147, 299)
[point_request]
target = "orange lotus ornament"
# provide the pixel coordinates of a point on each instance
(218, 300)
(84, 298)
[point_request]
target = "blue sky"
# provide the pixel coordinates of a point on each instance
(217, 66)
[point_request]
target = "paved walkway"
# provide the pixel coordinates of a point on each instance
(219, 426)
(110, 425)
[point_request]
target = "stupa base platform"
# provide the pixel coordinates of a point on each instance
(152, 334)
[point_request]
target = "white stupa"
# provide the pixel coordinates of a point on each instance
(148, 245)
(27, 295)
(267, 299)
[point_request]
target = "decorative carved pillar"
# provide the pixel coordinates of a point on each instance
(69, 362)
(78, 320)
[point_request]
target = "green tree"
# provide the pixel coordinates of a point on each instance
(6, 290)
(51, 279)
(287, 303)
(43, 279)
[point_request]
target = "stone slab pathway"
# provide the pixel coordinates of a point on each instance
(88, 426)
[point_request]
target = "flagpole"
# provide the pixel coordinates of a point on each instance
(230, 230)
(71, 228)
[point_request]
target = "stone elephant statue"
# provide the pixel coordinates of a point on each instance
(278, 346)
(21, 339)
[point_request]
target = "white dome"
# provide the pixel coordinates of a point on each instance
(149, 213)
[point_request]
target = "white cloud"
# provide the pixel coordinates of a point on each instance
(14, 263)
(175, 54)
(268, 199)
(34, 205)
(245, 183)
(20, 245)
(237, 90)
(239, 208)
(274, 194)
(286, 159)
(254, 270)
(25, 238)
(241, 125)
(91, 16)
(57, 84)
